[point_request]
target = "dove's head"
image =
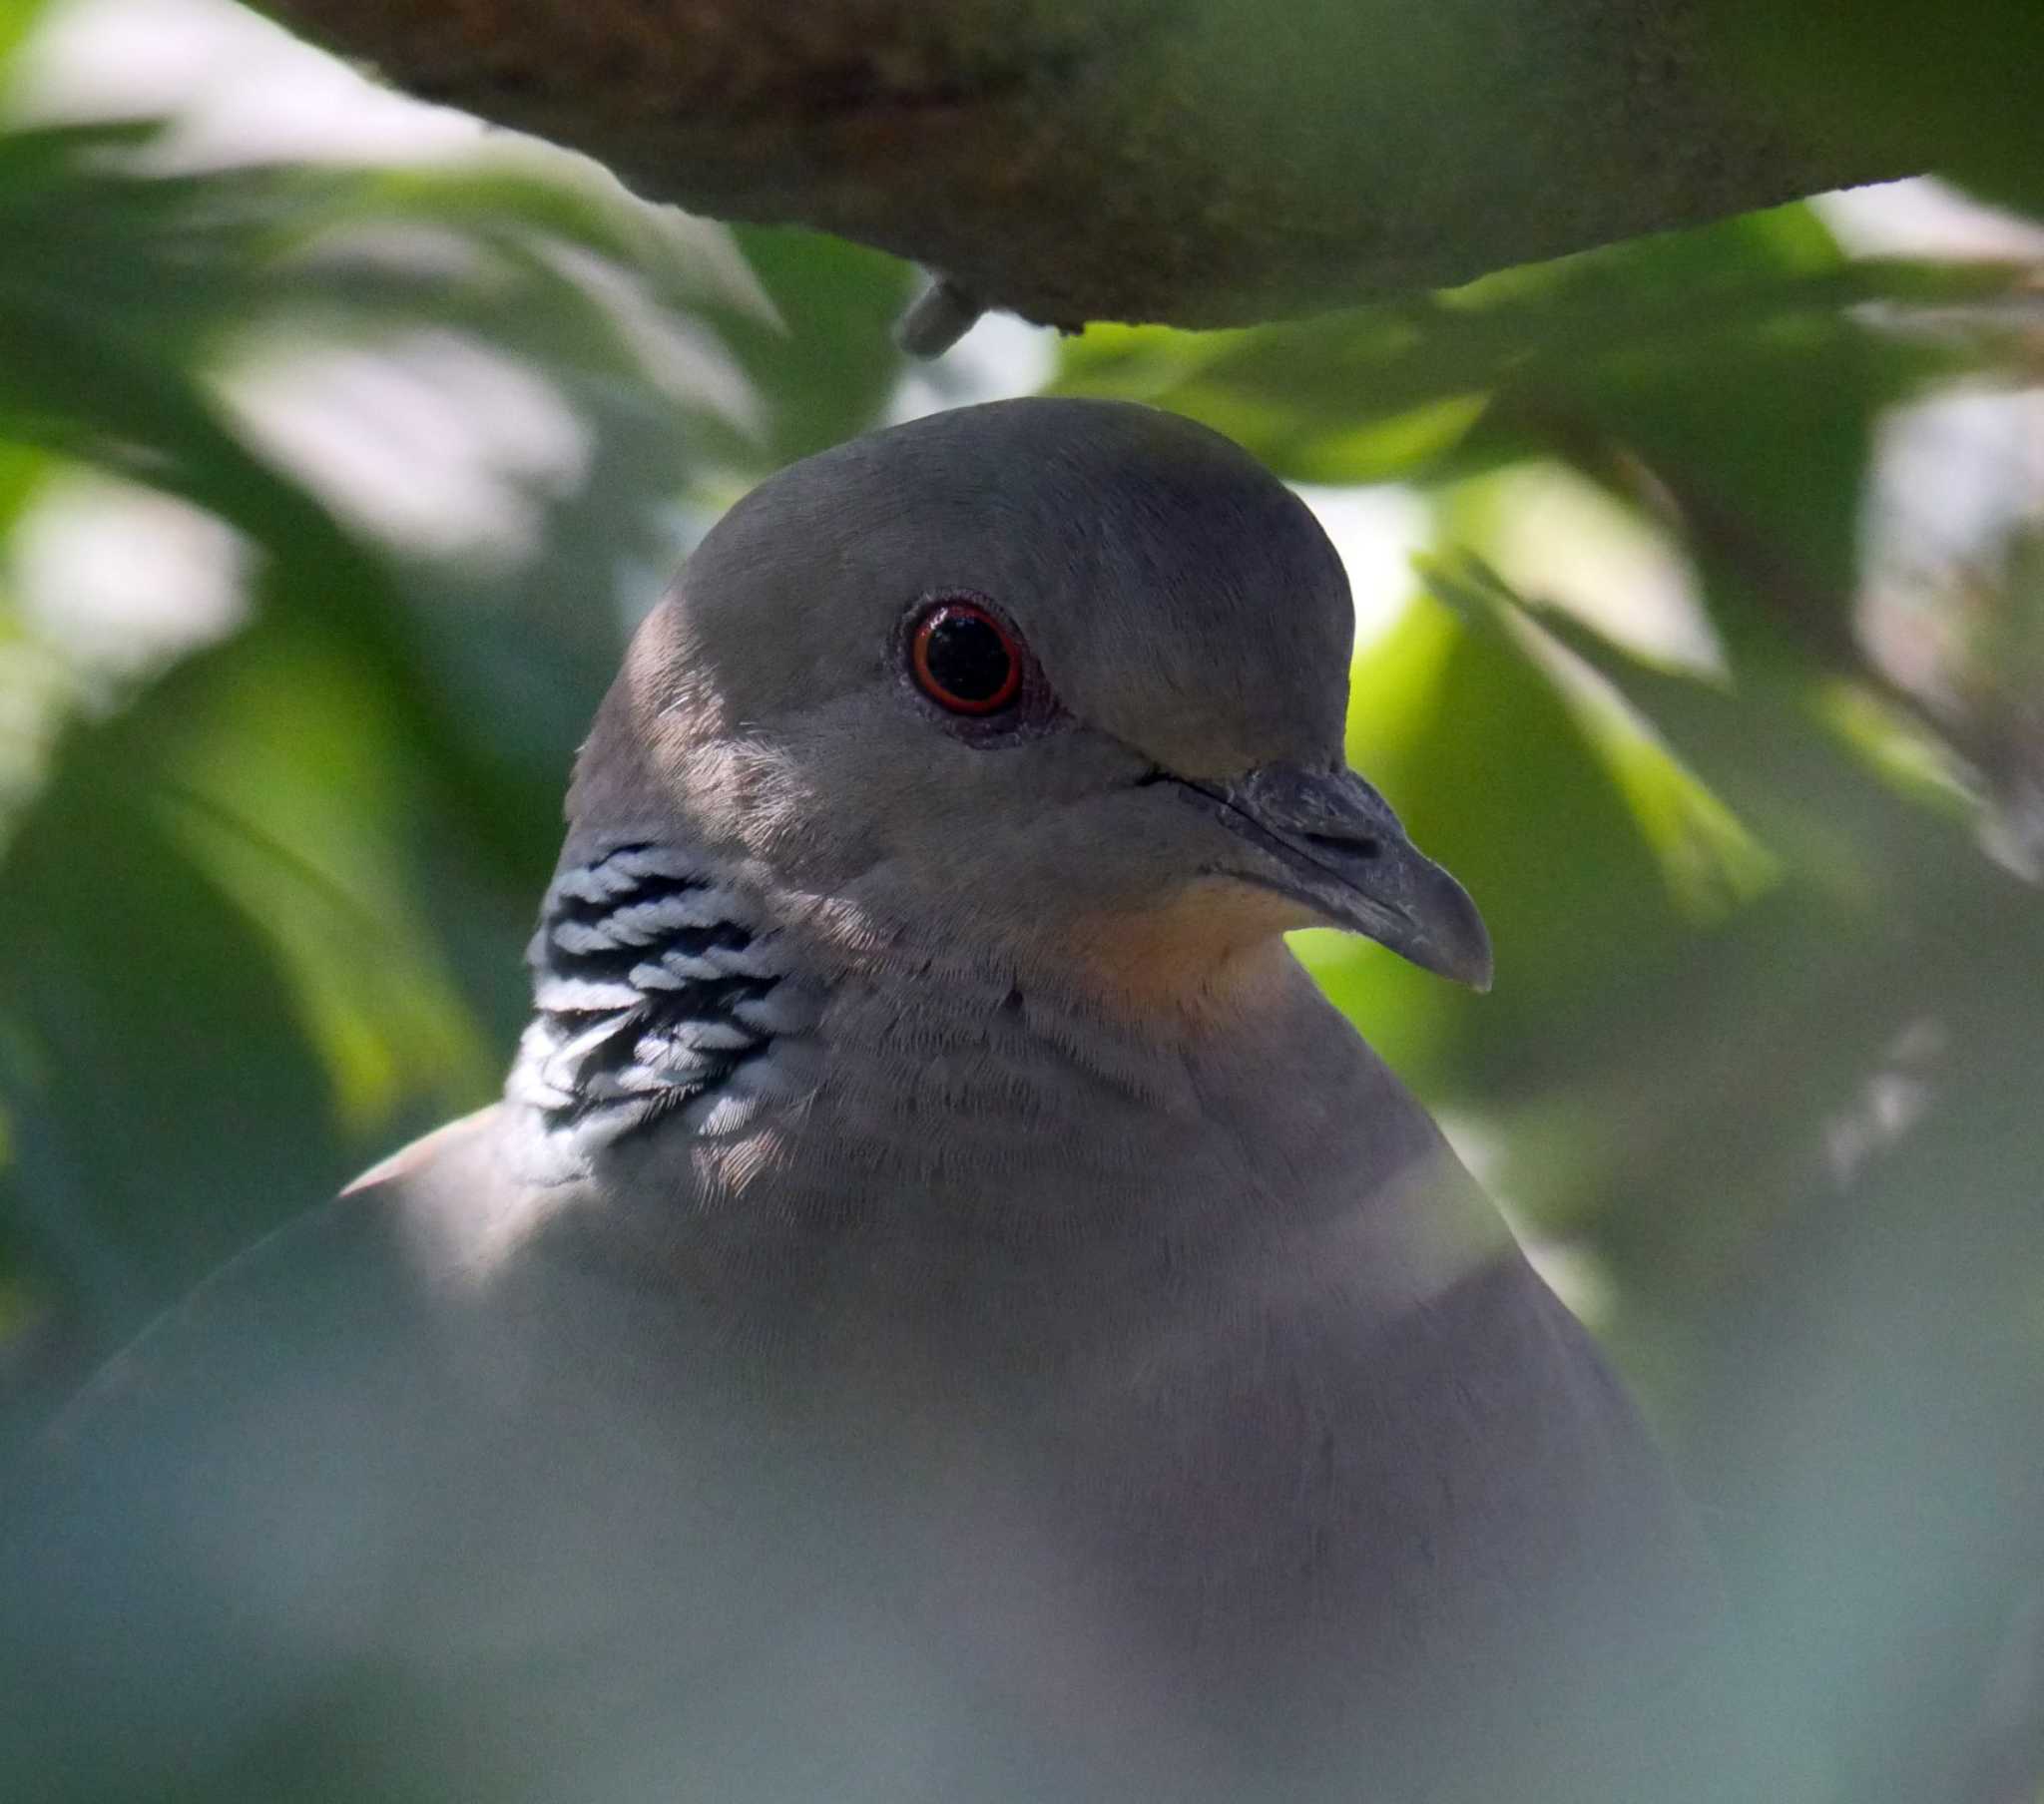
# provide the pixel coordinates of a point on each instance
(1056, 681)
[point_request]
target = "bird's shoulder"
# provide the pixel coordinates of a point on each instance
(325, 1289)
(335, 1466)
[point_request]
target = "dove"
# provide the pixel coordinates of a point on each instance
(944, 1309)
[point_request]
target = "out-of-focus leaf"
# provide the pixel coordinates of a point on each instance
(217, 999)
(1711, 863)
(336, 820)
(166, 1101)
(124, 288)
(178, 261)
(1868, 1391)
(825, 364)
(1493, 776)
(17, 19)
(1441, 386)
(297, 812)
(1769, 745)
(1769, 1024)
(35, 689)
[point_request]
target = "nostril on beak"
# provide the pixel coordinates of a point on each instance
(1346, 847)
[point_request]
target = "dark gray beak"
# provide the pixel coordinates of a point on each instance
(1327, 839)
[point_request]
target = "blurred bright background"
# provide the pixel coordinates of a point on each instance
(1699, 588)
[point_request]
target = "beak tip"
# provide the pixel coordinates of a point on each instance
(1482, 966)
(1461, 939)
(1470, 966)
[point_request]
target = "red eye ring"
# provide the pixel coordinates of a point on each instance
(965, 659)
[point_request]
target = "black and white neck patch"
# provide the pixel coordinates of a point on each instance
(659, 996)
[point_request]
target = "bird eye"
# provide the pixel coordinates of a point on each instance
(964, 659)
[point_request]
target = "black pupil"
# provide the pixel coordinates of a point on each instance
(967, 657)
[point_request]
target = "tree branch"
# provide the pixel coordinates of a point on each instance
(1201, 162)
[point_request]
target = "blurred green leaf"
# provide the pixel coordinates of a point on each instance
(1493, 775)
(1442, 386)
(330, 827)
(1711, 863)
(17, 19)
(1818, 783)
(824, 363)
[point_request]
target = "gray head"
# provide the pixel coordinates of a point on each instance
(1057, 684)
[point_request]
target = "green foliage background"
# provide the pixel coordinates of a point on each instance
(1762, 1067)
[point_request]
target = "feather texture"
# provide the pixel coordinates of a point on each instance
(657, 992)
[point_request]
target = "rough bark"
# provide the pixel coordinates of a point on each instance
(1203, 161)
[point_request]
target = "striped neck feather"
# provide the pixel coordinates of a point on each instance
(660, 996)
